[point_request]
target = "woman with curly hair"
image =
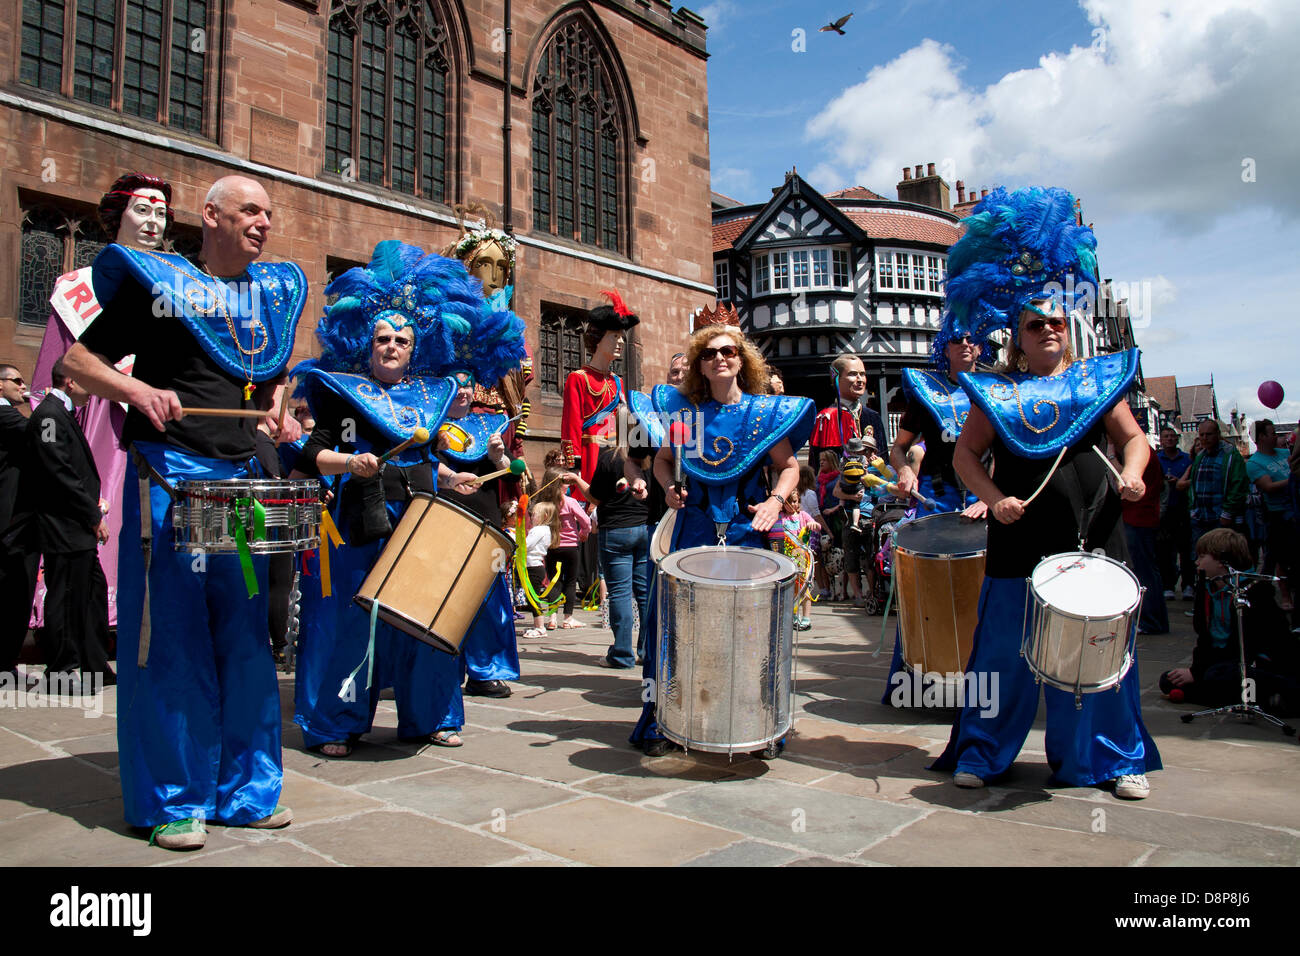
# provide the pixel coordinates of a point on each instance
(739, 432)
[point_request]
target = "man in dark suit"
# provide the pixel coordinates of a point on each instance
(17, 567)
(58, 513)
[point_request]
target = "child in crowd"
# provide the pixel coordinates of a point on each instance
(1272, 659)
(544, 523)
(562, 559)
(792, 537)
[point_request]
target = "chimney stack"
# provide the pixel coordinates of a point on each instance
(929, 190)
(961, 192)
(984, 193)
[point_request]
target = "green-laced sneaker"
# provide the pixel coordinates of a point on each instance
(281, 817)
(188, 834)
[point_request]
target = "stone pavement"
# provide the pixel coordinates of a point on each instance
(547, 778)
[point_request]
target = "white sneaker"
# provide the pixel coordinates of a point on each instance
(967, 780)
(1132, 786)
(1188, 594)
(1169, 595)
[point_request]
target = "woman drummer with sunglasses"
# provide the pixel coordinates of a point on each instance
(735, 430)
(386, 340)
(1042, 416)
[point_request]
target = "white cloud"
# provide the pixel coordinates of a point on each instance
(716, 14)
(733, 182)
(1157, 116)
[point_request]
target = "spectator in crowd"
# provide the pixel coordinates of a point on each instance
(624, 547)
(1269, 470)
(775, 383)
(676, 369)
(850, 417)
(562, 558)
(1218, 483)
(59, 514)
(1174, 540)
(1214, 677)
(1141, 521)
(17, 566)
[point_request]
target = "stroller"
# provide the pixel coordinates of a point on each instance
(878, 561)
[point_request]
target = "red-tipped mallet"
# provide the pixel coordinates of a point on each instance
(677, 435)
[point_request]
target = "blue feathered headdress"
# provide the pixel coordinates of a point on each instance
(455, 329)
(1018, 246)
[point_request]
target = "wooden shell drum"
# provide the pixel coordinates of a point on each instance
(1081, 622)
(435, 572)
(276, 515)
(724, 671)
(939, 570)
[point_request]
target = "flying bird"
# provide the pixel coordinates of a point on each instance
(837, 26)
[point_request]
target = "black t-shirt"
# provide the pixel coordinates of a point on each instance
(168, 356)
(656, 504)
(1050, 525)
(485, 501)
(938, 451)
(617, 509)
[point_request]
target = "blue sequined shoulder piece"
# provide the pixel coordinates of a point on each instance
(480, 427)
(729, 441)
(643, 411)
(246, 327)
(395, 410)
(1036, 417)
(946, 402)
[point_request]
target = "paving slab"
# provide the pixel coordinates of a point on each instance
(945, 838)
(746, 853)
(394, 838)
(831, 824)
(468, 795)
(608, 833)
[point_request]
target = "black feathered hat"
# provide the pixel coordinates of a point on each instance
(616, 317)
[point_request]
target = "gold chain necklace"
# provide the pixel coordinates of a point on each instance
(218, 305)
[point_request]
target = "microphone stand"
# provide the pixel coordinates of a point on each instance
(1247, 708)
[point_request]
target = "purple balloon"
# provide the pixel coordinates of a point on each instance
(1271, 394)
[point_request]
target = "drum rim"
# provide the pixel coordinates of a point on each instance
(478, 519)
(765, 582)
(1115, 680)
(935, 554)
(1033, 591)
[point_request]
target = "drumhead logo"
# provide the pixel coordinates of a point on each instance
(977, 690)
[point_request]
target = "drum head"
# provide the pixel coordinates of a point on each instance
(732, 567)
(1085, 585)
(948, 533)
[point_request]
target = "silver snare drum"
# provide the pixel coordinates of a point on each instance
(1083, 612)
(724, 672)
(207, 514)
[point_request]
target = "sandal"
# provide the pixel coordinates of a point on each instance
(346, 750)
(533, 633)
(446, 738)
(573, 623)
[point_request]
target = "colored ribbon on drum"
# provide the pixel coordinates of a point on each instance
(329, 535)
(242, 535)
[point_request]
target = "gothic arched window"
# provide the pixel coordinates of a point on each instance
(578, 142)
(386, 96)
(55, 240)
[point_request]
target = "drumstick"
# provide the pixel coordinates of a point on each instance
(1102, 455)
(892, 488)
(284, 407)
(225, 412)
(420, 436)
(1045, 480)
(515, 468)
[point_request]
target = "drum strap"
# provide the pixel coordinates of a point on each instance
(1086, 511)
(147, 473)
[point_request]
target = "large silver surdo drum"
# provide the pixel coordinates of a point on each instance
(724, 673)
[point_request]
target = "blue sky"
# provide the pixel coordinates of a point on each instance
(1172, 121)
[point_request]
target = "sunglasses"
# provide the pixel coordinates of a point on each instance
(727, 352)
(397, 340)
(16, 381)
(1036, 326)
